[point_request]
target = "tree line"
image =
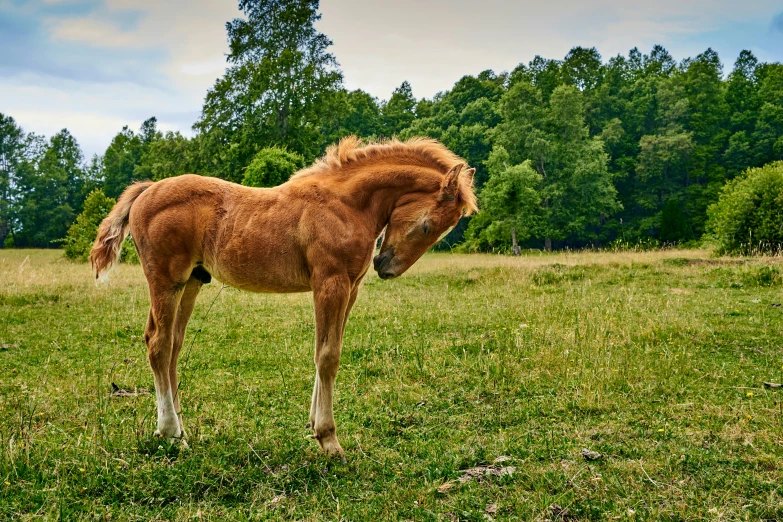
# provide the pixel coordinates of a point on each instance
(569, 152)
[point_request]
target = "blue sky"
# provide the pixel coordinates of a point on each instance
(95, 65)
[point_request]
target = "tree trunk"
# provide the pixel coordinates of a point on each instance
(515, 250)
(548, 244)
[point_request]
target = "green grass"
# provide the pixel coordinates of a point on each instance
(656, 360)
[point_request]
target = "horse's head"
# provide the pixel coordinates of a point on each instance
(421, 219)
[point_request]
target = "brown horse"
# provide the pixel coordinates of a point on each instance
(316, 232)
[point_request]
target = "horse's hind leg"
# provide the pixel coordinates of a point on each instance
(165, 297)
(186, 304)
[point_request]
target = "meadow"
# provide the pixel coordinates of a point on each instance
(654, 360)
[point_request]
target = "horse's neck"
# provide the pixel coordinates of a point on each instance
(376, 192)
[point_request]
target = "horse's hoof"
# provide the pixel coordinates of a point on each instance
(332, 448)
(169, 434)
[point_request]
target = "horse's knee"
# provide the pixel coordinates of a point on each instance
(159, 350)
(327, 362)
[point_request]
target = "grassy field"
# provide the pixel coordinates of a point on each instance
(654, 360)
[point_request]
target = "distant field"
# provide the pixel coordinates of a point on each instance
(654, 360)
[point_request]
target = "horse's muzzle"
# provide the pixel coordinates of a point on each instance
(382, 264)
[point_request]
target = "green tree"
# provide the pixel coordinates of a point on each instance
(768, 134)
(399, 112)
(51, 187)
(120, 161)
(674, 223)
(167, 156)
(11, 154)
(582, 68)
(577, 191)
(510, 204)
(275, 91)
(351, 113)
(272, 166)
(703, 87)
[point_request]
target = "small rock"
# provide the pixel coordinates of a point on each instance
(590, 456)
(559, 512)
(116, 391)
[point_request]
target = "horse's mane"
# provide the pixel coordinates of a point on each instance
(425, 152)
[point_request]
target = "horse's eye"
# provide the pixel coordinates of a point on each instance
(426, 227)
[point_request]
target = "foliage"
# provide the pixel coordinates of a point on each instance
(272, 166)
(124, 155)
(52, 185)
(81, 234)
(281, 80)
(748, 217)
(399, 112)
(167, 156)
(631, 150)
(572, 165)
(510, 204)
(674, 223)
(11, 147)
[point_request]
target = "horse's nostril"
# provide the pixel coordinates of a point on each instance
(376, 261)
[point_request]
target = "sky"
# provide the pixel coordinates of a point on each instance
(93, 66)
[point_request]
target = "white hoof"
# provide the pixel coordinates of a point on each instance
(168, 429)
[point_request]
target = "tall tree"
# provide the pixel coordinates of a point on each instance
(120, 160)
(167, 156)
(274, 91)
(11, 150)
(510, 204)
(399, 112)
(52, 189)
(573, 165)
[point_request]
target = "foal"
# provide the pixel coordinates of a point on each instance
(316, 232)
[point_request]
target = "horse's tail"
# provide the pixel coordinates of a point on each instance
(114, 229)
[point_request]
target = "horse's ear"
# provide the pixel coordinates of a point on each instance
(467, 176)
(448, 187)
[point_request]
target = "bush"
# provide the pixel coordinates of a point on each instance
(271, 167)
(81, 235)
(748, 217)
(129, 254)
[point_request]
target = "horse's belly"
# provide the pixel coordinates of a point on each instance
(261, 277)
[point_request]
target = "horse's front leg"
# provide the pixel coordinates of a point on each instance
(314, 400)
(331, 296)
